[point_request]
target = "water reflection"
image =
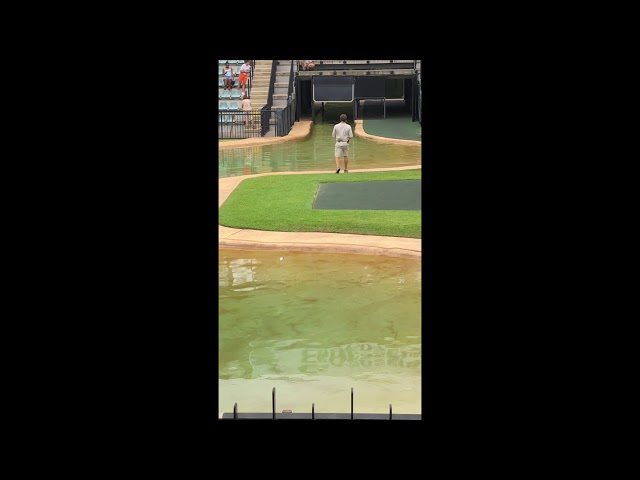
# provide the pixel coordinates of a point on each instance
(275, 359)
(314, 320)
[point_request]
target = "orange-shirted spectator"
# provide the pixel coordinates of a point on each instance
(245, 73)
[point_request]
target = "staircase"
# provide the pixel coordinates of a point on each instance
(261, 79)
(281, 87)
(260, 87)
(260, 83)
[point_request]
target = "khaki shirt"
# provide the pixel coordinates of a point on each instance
(342, 131)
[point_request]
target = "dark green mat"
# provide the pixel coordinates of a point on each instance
(393, 127)
(397, 124)
(386, 195)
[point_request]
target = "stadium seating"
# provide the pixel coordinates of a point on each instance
(229, 101)
(223, 116)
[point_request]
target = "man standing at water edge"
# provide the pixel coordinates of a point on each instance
(342, 133)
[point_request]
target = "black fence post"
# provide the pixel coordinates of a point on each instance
(264, 121)
(235, 411)
(273, 396)
(351, 403)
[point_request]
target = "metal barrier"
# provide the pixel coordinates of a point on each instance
(374, 107)
(289, 415)
(238, 124)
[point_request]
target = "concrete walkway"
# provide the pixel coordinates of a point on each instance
(307, 241)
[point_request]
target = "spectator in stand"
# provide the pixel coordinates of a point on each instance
(245, 73)
(246, 108)
(307, 64)
(227, 71)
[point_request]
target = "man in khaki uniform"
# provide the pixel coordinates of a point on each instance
(342, 133)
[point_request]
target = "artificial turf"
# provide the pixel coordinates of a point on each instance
(284, 203)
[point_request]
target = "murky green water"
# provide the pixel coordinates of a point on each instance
(315, 152)
(314, 325)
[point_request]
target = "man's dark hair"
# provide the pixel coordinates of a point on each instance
(343, 117)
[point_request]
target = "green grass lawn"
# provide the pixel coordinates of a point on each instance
(284, 203)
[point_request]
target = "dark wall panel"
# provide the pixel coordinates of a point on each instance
(333, 93)
(370, 87)
(333, 88)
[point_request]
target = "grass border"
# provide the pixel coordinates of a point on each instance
(284, 203)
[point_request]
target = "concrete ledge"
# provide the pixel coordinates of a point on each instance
(322, 242)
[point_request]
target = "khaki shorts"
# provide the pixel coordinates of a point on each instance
(342, 151)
